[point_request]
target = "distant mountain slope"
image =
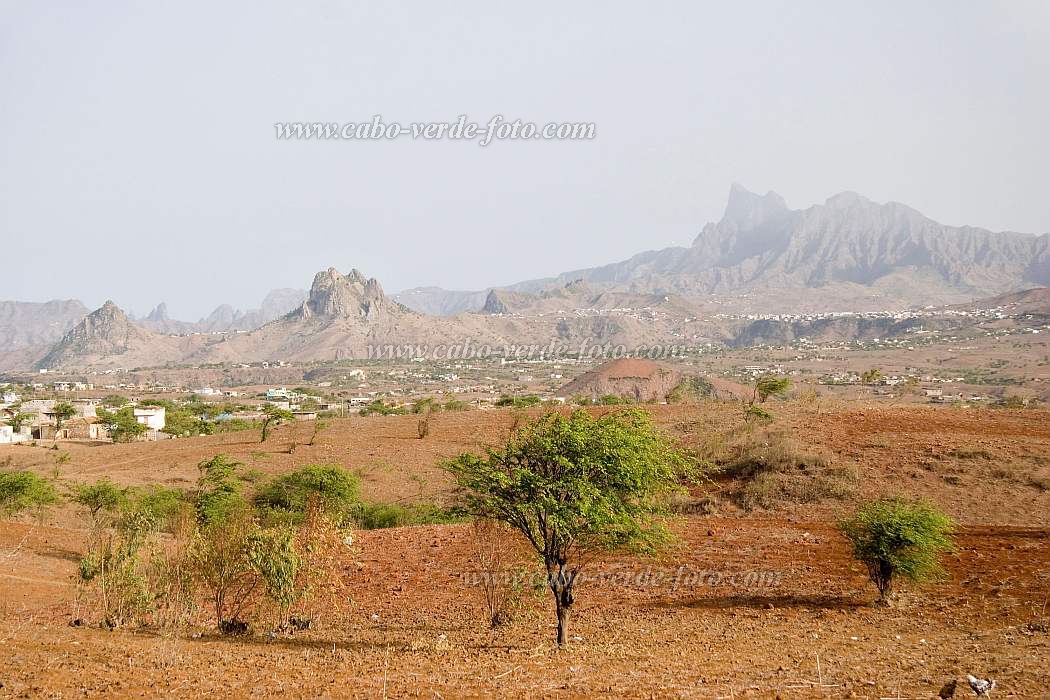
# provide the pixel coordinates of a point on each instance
(436, 301)
(107, 338)
(848, 254)
(349, 317)
(226, 318)
(26, 324)
(1030, 301)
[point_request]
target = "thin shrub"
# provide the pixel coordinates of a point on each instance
(898, 539)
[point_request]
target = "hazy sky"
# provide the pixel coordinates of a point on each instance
(138, 157)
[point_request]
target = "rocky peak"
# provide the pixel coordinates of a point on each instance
(494, 304)
(748, 210)
(107, 313)
(159, 313)
(334, 295)
(105, 331)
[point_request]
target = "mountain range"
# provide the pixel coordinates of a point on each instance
(847, 254)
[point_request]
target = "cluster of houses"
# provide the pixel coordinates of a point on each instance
(39, 419)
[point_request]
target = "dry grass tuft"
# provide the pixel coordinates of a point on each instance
(771, 468)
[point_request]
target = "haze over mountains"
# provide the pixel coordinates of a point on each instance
(849, 254)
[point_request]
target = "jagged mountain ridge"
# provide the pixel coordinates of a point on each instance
(847, 254)
(346, 317)
(224, 317)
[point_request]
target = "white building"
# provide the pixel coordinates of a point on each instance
(8, 435)
(150, 416)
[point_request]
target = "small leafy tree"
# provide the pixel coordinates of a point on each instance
(319, 426)
(121, 424)
(273, 557)
(219, 490)
(272, 417)
(896, 538)
(764, 389)
(220, 561)
(20, 419)
(575, 486)
(62, 412)
(113, 564)
(871, 376)
(22, 490)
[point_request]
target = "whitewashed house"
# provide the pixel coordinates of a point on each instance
(9, 436)
(152, 417)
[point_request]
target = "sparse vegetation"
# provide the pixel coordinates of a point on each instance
(518, 401)
(381, 408)
(319, 427)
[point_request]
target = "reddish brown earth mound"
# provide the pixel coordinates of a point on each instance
(637, 379)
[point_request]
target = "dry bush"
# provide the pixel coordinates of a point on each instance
(772, 468)
(972, 453)
(502, 581)
(169, 573)
(423, 427)
(768, 490)
(323, 578)
(221, 565)
(746, 454)
(703, 504)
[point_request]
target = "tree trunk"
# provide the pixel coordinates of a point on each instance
(561, 582)
(563, 624)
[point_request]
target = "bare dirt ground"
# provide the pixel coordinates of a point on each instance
(805, 630)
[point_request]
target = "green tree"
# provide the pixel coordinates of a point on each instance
(20, 419)
(573, 487)
(897, 538)
(100, 498)
(272, 417)
(24, 490)
(871, 376)
(335, 487)
(62, 412)
(764, 389)
(220, 491)
(121, 424)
